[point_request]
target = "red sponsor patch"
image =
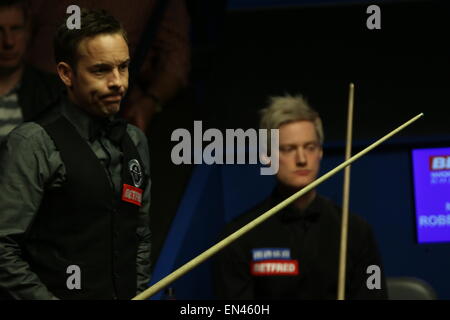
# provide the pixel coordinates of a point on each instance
(132, 194)
(274, 268)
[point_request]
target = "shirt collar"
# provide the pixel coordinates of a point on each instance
(14, 90)
(78, 117)
(291, 212)
(86, 124)
(91, 127)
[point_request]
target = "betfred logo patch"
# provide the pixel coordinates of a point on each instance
(132, 194)
(274, 268)
(273, 262)
(439, 163)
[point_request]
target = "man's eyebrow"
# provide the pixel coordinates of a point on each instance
(288, 144)
(106, 64)
(101, 65)
(294, 144)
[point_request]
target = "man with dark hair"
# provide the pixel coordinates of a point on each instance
(24, 90)
(75, 187)
(165, 61)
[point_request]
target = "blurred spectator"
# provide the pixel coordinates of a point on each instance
(24, 90)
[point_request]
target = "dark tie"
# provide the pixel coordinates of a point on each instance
(114, 130)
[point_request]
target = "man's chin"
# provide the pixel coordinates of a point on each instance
(7, 69)
(111, 109)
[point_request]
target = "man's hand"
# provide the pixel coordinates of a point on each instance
(140, 109)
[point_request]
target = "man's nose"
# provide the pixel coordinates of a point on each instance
(115, 80)
(8, 40)
(300, 157)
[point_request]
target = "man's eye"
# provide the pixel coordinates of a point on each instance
(286, 149)
(99, 71)
(124, 67)
(312, 147)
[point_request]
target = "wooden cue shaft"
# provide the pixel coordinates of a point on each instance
(345, 199)
(223, 243)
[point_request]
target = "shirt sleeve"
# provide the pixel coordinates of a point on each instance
(24, 171)
(143, 264)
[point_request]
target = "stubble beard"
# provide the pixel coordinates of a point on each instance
(10, 70)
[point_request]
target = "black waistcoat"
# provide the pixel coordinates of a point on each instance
(85, 223)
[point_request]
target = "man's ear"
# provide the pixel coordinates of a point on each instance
(65, 73)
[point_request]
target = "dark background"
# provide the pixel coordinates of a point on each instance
(245, 51)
